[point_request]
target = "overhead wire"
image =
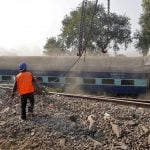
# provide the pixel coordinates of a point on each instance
(82, 48)
(83, 45)
(82, 23)
(90, 29)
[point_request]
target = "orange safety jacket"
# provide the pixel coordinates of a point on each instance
(24, 83)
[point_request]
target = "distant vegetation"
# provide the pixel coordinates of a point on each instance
(100, 38)
(119, 31)
(143, 36)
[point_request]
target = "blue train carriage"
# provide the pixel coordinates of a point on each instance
(7, 79)
(112, 75)
(116, 76)
(108, 85)
(119, 76)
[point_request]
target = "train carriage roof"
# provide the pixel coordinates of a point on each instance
(91, 63)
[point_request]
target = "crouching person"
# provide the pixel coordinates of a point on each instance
(24, 86)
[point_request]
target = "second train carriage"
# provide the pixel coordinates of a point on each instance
(113, 75)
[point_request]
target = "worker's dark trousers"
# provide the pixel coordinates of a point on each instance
(24, 99)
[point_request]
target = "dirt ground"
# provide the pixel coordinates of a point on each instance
(73, 124)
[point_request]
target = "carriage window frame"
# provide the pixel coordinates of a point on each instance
(6, 78)
(70, 80)
(89, 81)
(53, 80)
(127, 82)
(108, 81)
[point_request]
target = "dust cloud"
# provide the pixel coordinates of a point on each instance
(64, 67)
(6, 52)
(22, 51)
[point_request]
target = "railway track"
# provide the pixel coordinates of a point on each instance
(122, 101)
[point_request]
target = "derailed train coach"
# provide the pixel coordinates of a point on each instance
(97, 74)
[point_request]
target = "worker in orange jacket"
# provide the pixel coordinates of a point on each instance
(24, 85)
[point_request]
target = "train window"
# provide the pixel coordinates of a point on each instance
(6, 78)
(107, 81)
(88, 81)
(127, 82)
(53, 79)
(70, 80)
(40, 79)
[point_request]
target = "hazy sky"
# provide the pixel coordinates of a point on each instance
(25, 24)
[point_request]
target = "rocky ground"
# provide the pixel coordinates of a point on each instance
(73, 124)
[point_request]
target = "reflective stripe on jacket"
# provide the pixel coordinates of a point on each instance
(24, 83)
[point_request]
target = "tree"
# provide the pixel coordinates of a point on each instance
(143, 36)
(107, 31)
(53, 46)
(100, 38)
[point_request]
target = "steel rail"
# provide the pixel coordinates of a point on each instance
(122, 101)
